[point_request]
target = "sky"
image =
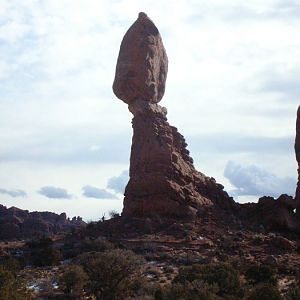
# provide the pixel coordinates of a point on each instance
(232, 91)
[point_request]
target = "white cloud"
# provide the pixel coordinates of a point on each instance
(94, 192)
(118, 183)
(53, 192)
(13, 193)
(252, 180)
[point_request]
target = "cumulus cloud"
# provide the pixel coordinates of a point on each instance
(13, 193)
(118, 183)
(54, 192)
(93, 192)
(252, 180)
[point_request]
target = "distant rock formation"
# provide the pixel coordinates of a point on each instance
(297, 151)
(276, 213)
(163, 180)
(16, 223)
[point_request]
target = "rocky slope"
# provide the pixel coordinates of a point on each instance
(16, 223)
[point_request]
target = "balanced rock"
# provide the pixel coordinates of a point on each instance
(142, 64)
(163, 180)
(297, 151)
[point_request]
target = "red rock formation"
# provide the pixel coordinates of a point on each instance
(276, 213)
(17, 223)
(142, 64)
(163, 180)
(297, 151)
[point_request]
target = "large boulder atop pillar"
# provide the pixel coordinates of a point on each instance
(142, 65)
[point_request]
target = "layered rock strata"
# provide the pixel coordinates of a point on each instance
(297, 151)
(163, 180)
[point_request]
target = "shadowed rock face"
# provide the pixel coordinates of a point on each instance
(16, 223)
(297, 151)
(163, 180)
(276, 213)
(142, 64)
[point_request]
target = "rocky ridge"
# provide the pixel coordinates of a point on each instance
(16, 223)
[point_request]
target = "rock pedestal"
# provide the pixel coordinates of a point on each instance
(297, 151)
(163, 180)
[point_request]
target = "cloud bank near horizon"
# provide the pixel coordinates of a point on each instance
(13, 193)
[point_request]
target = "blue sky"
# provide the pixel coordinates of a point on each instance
(232, 91)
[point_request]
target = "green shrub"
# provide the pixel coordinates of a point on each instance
(98, 245)
(196, 290)
(258, 239)
(261, 273)
(223, 275)
(9, 263)
(73, 281)
(10, 288)
(109, 272)
(265, 292)
(113, 214)
(42, 253)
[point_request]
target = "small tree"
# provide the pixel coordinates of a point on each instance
(73, 281)
(110, 271)
(43, 253)
(113, 214)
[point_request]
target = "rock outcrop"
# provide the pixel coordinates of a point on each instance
(297, 151)
(16, 223)
(163, 180)
(280, 213)
(276, 213)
